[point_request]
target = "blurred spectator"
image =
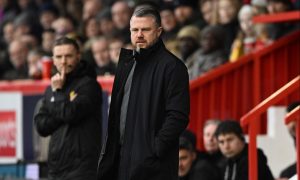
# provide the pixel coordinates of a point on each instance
(8, 35)
(48, 14)
(27, 23)
(115, 45)
(34, 63)
(63, 25)
(186, 14)
(91, 28)
(192, 166)
(6, 39)
(227, 14)
(104, 65)
(210, 142)
(8, 32)
(3, 5)
(48, 38)
(188, 41)
(30, 40)
(278, 30)
(279, 6)
(8, 11)
(232, 144)
(106, 24)
(209, 11)
(75, 10)
(210, 55)
(90, 9)
(173, 47)
(18, 52)
(27, 5)
(121, 14)
(259, 7)
(290, 171)
(252, 36)
(168, 23)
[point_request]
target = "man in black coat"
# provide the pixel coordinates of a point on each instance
(149, 107)
(233, 146)
(71, 114)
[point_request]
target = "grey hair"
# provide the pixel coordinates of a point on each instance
(148, 11)
(211, 121)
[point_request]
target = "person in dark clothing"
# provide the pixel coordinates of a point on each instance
(278, 30)
(16, 66)
(291, 170)
(212, 152)
(194, 165)
(232, 145)
(149, 107)
(71, 114)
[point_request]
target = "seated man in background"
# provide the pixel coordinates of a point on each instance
(233, 146)
(100, 50)
(193, 165)
(213, 154)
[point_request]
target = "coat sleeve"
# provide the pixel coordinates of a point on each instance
(86, 99)
(44, 122)
(176, 92)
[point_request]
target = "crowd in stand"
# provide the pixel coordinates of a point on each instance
(204, 33)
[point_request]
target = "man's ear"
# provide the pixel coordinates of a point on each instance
(79, 56)
(194, 155)
(159, 30)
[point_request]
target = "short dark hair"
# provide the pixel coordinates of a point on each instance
(148, 10)
(228, 127)
(186, 144)
(64, 40)
(190, 136)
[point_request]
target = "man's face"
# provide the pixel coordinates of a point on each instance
(168, 21)
(183, 13)
(187, 46)
(48, 41)
(18, 53)
(227, 11)
(210, 141)
(186, 159)
(101, 52)
(144, 31)
(208, 42)
(247, 24)
(120, 14)
(65, 57)
(230, 144)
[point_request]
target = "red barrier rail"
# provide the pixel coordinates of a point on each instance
(251, 120)
(295, 116)
(31, 87)
(232, 90)
(280, 17)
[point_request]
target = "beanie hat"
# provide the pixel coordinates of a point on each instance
(189, 31)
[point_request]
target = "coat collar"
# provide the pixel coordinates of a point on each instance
(128, 54)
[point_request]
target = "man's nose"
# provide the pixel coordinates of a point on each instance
(140, 33)
(64, 60)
